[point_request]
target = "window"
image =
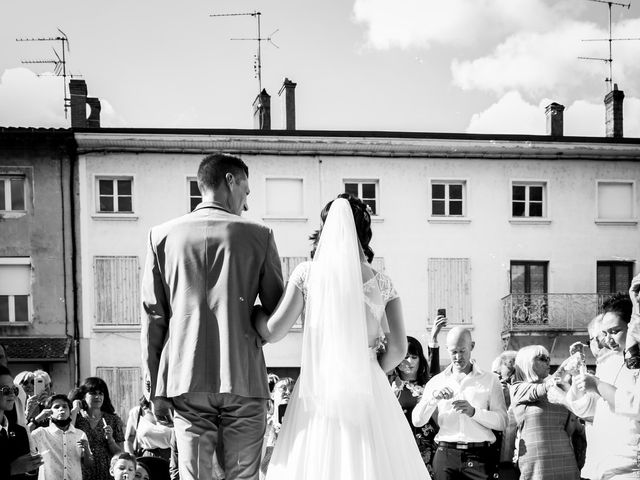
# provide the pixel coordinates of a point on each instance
(449, 286)
(15, 290)
(12, 193)
(117, 291)
(125, 387)
(288, 266)
(613, 277)
(615, 200)
(194, 194)
(115, 195)
(527, 200)
(529, 300)
(528, 277)
(367, 191)
(447, 198)
(284, 197)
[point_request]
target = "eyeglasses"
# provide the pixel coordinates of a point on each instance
(543, 358)
(8, 390)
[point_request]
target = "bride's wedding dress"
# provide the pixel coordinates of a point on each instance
(343, 421)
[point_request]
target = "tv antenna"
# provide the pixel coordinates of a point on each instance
(60, 63)
(257, 64)
(610, 39)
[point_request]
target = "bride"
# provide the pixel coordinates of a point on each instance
(340, 426)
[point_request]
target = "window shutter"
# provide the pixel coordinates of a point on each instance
(449, 286)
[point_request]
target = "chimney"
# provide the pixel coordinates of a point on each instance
(613, 112)
(262, 111)
(555, 120)
(79, 101)
(289, 104)
(94, 117)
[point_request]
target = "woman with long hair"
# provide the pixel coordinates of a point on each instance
(103, 427)
(408, 380)
(337, 425)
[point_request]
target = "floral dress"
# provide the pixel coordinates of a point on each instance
(99, 446)
(409, 394)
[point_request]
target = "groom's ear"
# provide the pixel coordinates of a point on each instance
(228, 177)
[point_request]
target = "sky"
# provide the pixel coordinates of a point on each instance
(475, 66)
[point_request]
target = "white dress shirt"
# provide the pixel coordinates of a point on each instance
(60, 452)
(481, 389)
(615, 434)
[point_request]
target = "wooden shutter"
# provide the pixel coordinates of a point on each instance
(117, 290)
(125, 387)
(449, 286)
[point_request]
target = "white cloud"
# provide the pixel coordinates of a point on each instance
(547, 62)
(27, 100)
(411, 23)
(512, 114)
(533, 62)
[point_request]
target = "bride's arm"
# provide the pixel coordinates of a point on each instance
(275, 327)
(396, 338)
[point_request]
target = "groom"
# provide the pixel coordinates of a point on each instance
(200, 352)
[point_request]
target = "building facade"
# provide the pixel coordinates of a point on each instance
(37, 302)
(518, 237)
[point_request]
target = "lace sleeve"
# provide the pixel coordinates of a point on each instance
(387, 289)
(299, 277)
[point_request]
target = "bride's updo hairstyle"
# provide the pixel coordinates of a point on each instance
(362, 220)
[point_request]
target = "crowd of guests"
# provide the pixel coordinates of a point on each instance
(516, 420)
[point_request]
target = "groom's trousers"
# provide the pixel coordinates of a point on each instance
(202, 420)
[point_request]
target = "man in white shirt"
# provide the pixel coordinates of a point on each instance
(470, 405)
(62, 446)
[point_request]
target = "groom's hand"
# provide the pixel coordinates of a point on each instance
(162, 407)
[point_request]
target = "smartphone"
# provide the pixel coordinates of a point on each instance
(38, 386)
(442, 311)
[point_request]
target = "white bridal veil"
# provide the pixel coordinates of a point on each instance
(336, 372)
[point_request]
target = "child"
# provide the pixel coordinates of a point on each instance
(63, 447)
(123, 466)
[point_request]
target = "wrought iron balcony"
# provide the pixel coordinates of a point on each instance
(550, 311)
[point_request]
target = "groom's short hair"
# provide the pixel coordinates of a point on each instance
(213, 168)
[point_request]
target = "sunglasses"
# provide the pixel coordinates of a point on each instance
(543, 358)
(8, 390)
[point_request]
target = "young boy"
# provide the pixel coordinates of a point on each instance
(123, 466)
(63, 447)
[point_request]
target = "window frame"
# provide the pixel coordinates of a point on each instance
(8, 199)
(527, 264)
(612, 264)
(281, 217)
(527, 201)
(114, 179)
(189, 196)
(633, 220)
(360, 181)
(447, 198)
(6, 261)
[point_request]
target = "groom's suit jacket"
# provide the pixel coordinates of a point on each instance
(202, 275)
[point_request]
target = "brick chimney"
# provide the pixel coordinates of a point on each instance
(289, 104)
(79, 101)
(613, 112)
(555, 121)
(262, 111)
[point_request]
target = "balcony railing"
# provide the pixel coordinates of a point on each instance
(566, 311)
